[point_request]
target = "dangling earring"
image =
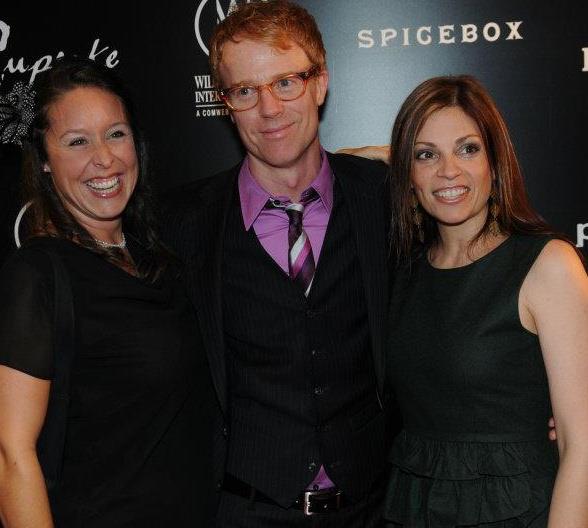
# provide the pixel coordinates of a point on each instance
(417, 217)
(493, 210)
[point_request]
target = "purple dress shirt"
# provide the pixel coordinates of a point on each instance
(271, 229)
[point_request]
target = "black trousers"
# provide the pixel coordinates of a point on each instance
(238, 512)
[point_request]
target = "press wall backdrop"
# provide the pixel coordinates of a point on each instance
(532, 56)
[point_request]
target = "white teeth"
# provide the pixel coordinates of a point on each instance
(104, 185)
(451, 193)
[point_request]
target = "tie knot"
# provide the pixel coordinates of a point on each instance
(294, 209)
(294, 212)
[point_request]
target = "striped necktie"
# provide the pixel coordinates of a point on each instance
(300, 258)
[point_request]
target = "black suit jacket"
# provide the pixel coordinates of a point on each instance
(194, 227)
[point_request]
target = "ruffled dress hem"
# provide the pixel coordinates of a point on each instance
(440, 483)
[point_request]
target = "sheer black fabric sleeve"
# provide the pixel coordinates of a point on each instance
(26, 313)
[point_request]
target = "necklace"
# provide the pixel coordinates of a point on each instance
(121, 245)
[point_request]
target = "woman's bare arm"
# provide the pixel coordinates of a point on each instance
(554, 303)
(23, 496)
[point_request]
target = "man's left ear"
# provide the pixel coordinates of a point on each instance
(322, 84)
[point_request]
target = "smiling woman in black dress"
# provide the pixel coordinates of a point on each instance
(489, 328)
(137, 444)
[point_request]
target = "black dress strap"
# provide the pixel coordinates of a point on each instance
(50, 444)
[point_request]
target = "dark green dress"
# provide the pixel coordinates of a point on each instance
(473, 392)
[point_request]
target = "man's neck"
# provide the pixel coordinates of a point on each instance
(288, 181)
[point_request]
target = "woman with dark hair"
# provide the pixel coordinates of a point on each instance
(136, 452)
(489, 328)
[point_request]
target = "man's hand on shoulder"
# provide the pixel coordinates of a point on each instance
(374, 152)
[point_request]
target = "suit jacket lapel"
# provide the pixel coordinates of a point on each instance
(366, 208)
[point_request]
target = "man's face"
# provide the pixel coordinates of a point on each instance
(277, 134)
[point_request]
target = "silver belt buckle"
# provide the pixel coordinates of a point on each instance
(326, 495)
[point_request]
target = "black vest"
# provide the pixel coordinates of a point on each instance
(302, 386)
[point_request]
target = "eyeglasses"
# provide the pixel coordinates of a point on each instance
(287, 88)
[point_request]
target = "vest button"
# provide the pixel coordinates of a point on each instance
(225, 432)
(311, 314)
(318, 390)
(312, 466)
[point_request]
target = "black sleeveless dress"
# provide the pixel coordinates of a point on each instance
(472, 388)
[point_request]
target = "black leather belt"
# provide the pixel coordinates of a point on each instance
(310, 502)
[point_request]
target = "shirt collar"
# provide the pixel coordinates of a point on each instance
(253, 196)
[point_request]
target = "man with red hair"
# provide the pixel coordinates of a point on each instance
(286, 263)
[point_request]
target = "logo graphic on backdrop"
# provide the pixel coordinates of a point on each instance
(582, 236)
(16, 105)
(4, 33)
(208, 14)
(439, 35)
(30, 68)
(16, 113)
(208, 103)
